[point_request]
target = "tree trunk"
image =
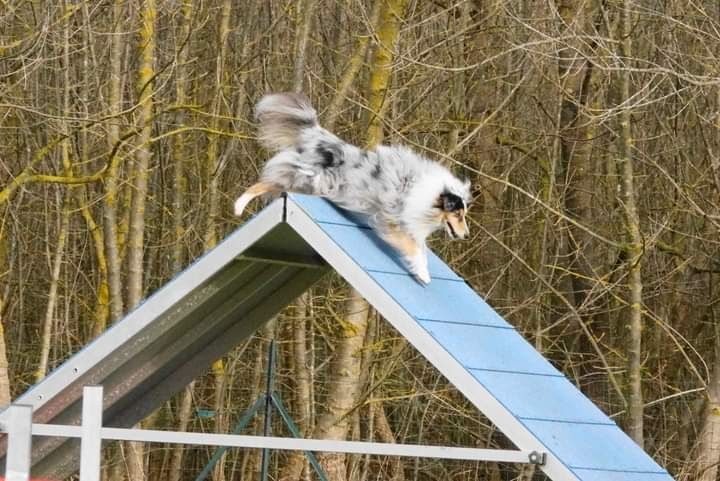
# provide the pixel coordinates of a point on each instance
(575, 74)
(135, 451)
(634, 242)
(47, 334)
(221, 418)
(305, 16)
(110, 209)
(386, 435)
(4, 367)
(184, 414)
(707, 457)
(212, 171)
(65, 147)
(102, 296)
(212, 175)
(344, 384)
(351, 70)
(296, 461)
(136, 232)
(180, 183)
(381, 68)
(179, 194)
(4, 371)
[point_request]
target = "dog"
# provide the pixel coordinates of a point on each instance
(405, 196)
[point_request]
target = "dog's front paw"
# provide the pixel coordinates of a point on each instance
(423, 276)
(418, 266)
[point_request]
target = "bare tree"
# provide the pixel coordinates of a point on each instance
(634, 245)
(136, 247)
(707, 457)
(110, 209)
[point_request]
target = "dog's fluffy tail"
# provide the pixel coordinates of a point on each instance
(282, 118)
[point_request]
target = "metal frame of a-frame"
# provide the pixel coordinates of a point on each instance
(226, 295)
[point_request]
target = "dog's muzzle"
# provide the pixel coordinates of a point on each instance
(452, 233)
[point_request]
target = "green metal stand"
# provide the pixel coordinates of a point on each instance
(269, 400)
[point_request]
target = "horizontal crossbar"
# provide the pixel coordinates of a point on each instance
(290, 260)
(293, 444)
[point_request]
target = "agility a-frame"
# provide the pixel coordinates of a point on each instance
(225, 296)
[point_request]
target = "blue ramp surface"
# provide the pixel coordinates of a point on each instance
(485, 357)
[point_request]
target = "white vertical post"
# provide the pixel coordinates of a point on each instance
(18, 425)
(91, 440)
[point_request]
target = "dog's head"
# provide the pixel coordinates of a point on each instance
(453, 208)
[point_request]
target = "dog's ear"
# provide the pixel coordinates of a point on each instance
(469, 193)
(476, 194)
(450, 202)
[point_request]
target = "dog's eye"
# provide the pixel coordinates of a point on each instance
(450, 202)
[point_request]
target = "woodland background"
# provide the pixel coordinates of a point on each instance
(590, 129)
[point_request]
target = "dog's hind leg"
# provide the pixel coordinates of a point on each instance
(254, 191)
(412, 252)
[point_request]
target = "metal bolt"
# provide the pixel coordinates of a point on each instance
(536, 457)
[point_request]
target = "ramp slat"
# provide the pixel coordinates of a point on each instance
(489, 348)
(595, 446)
(598, 475)
(541, 397)
(441, 300)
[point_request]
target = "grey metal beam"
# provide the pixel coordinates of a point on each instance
(257, 255)
(297, 444)
(317, 445)
(56, 431)
(292, 444)
(185, 347)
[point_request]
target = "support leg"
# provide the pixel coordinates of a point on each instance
(244, 421)
(19, 429)
(91, 441)
(277, 402)
(269, 388)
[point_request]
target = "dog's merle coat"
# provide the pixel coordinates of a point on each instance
(405, 196)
